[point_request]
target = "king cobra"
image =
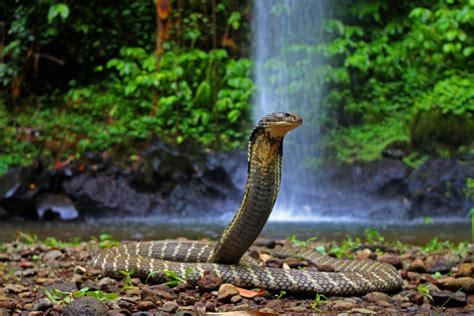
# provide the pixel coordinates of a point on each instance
(189, 260)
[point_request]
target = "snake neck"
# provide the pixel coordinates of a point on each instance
(263, 183)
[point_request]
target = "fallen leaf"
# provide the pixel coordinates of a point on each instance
(249, 293)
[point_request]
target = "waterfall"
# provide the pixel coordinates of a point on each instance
(286, 74)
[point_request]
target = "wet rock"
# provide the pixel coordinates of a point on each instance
(86, 305)
(169, 307)
(448, 298)
(186, 299)
(14, 288)
(464, 270)
(62, 286)
(209, 281)
(99, 194)
(42, 304)
(235, 299)
(52, 255)
(157, 292)
(376, 296)
(363, 311)
(340, 305)
(392, 259)
(417, 265)
(55, 205)
(210, 307)
(440, 265)
(454, 284)
(437, 188)
(106, 283)
(145, 306)
(226, 291)
(11, 182)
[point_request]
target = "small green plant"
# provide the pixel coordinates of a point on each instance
(300, 243)
(280, 295)
(462, 249)
(320, 249)
(373, 236)
(174, 279)
(106, 241)
(55, 243)
(425, 291)
(317, 301)
(437, 275)
(26, 238)
(436, 245)
(58, 297)
(127, 280)
(344, 250)
(427, 220)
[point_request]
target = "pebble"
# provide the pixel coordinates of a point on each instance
(210, 307)
(235, 299)
(169, 307)
(142, 314)
(363, 311)
(417, 265)
(392, 259)
(85, 305)
(186, 299)
(238, 308)
(4, 257)
(106, 283)
(200, 308)
(226, 291)
(267, 310)
(52, 255)
(157, 292)
(145, 305)
(62, 286)
(42, 304)
(439, 265)
(343, 305)
(448, 298)
(465, 270)
(376, 296)
(4, 312)
(34, 313)
(363, 254)
(14, 288)
(454, 284)
(209, 281)
(259, 300)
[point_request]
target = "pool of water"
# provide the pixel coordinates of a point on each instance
(413, 232)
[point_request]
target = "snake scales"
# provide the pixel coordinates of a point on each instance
(190, 259)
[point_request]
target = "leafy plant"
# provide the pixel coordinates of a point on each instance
(106, 241)
(373, 236)
(127, 280)
(300, 243)
(174, 279)
(26, 238)
(58, 297)
(436, 245)
(317, 301)
(280, 295)
(425, 291)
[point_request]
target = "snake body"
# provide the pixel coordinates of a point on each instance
(190, 259)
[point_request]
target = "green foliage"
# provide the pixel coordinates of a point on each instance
(425, 291)
(173, 279)
(436, 245)
(470, 188)
(300, 243)
(127, 280)
(345, 248)
(26, 238)
(373, 236)
(58, 297)
(55, 243)
(317, 301)
(280, 295)
(106, 241)
(427, 220)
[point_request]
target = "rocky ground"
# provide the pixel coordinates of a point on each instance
(53, 278)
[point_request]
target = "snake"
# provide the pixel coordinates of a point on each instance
(227, 258)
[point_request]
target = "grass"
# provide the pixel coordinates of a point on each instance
(58, 297)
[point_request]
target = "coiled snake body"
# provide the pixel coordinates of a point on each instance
(190, 259)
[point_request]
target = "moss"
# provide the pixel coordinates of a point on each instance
(442, 134)
(470, 188)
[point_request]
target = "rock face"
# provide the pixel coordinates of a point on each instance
(439, 188)
(188, 181)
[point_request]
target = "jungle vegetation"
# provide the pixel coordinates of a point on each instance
(92, 76)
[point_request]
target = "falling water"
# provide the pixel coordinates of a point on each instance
(286, 73)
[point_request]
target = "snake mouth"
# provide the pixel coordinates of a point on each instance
(281, 123)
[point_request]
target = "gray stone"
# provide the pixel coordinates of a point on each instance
(58, 204)
(169, 307)
(42, 304)
(226, 291)
(87, 306)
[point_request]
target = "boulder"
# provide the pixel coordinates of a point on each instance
(55, 205)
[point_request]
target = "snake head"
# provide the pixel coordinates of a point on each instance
(279, 123)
